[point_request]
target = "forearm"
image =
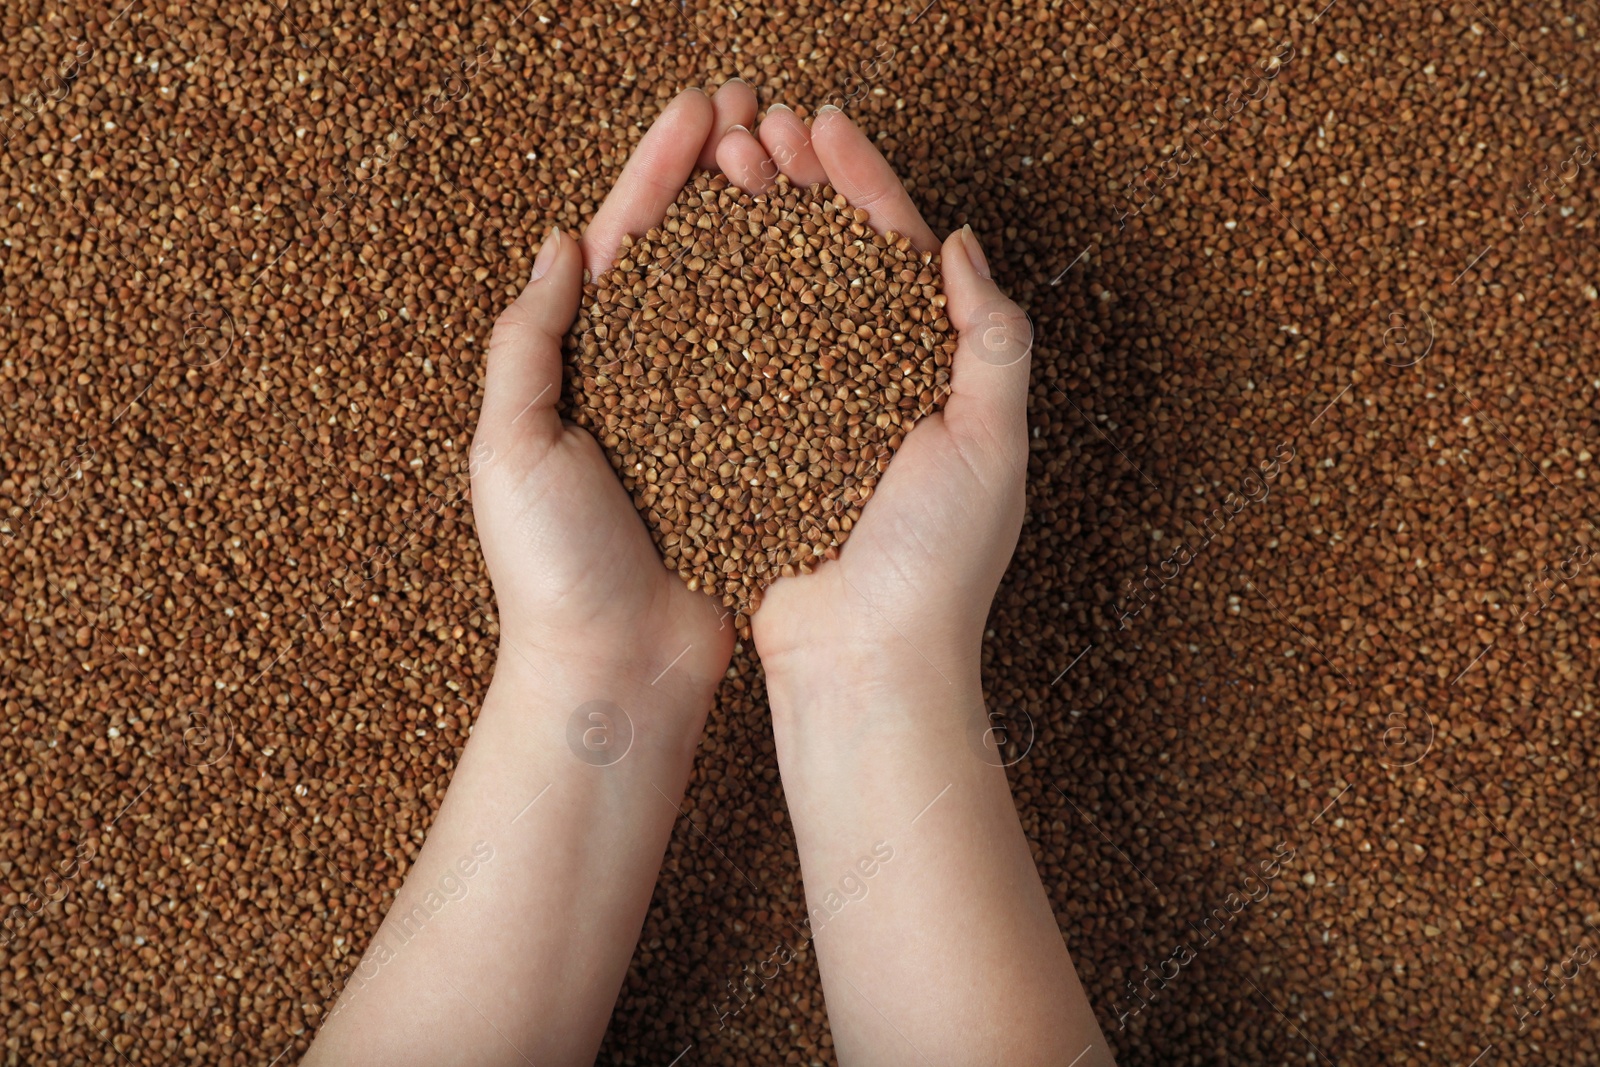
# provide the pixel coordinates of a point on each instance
(950, 952)
(525, 963)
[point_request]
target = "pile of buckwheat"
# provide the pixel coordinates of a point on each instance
(1313, 422)
(749, 367)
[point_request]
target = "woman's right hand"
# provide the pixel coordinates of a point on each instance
(921, 566)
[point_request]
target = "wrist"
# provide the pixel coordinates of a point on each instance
(595, 700)
(684, 657)
(851, 689)
(868, 733)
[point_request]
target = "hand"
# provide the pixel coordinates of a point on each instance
(573, 566)
(525, 967)
(877, 652)
(913, 583)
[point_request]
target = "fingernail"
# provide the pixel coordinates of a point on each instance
(826, 108)
(547, 254)
(730, 81)
(969, 241)
(746, 129)
(779, 107)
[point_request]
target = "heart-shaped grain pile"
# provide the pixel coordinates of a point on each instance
(749, 367)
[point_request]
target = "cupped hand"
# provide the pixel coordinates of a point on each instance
(576, 576)
(914, 581)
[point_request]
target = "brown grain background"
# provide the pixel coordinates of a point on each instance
(251, 257)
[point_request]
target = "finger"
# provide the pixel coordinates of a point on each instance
(653, 178)
(788, 144)
(741, 157)
(859, 171)
(989, 381)
(734, 105)
(523, 380)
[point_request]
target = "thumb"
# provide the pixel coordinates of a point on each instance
(989, 381)
(523, 379)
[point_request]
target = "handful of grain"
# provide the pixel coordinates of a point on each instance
(749, 367)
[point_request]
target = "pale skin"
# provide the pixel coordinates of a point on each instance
(953, 955)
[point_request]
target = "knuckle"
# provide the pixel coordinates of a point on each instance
(990, 443)
(512, 321)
